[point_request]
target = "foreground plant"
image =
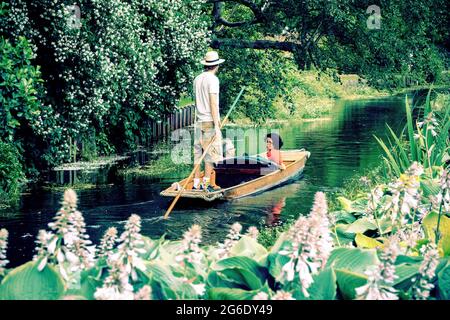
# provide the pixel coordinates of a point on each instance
(303, 264)
(3, 247)
(308, 247)
(381, 276)
(68, 244)
(423, 284)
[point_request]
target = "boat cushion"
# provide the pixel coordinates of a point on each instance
(237, 170)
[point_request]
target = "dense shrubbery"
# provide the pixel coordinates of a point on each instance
(108, 74)
(22, 113)
(11, 173)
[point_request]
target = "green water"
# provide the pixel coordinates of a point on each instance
(341, 146)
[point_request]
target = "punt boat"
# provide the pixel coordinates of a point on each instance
(246, 175)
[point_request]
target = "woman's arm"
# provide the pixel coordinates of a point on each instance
(281, 164)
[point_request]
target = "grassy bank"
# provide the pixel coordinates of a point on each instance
(311, 95)
(161, 167)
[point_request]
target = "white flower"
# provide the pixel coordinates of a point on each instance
(309, 245)
(282, 295)
(261, 296)
(200, 288)
(3, 246)
(427, 271)
(253, 232)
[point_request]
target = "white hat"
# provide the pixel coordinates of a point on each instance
(211, 59)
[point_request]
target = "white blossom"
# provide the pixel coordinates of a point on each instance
(3, 247)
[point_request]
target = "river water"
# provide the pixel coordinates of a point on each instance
(341, 145)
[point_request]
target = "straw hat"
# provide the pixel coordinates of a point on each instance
(211, 59)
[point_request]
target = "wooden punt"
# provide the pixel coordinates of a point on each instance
(254, 179)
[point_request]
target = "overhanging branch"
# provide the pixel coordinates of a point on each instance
(253, 44)
(219, 20)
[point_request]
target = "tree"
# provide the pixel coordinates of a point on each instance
(412, 37)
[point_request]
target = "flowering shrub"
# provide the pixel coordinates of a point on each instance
(305, 263)
(110, 69)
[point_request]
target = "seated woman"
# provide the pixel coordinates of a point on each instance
(274, 144)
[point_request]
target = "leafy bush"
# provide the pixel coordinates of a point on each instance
(425, 140)
(11, 173)
(303, 263)
(122, 64)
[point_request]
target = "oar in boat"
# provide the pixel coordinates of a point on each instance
(201, 159)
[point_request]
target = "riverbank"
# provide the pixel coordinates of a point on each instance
(312, 94)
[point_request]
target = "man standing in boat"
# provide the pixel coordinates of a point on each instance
(207, 123)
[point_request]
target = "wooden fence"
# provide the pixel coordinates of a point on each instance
(177, 120)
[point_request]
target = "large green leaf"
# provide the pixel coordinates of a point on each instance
(26, 282)
(243, 270)
(344, 236)
(430, 224)
(90, 281)
(231, 294)
(349, 265)
(219, 280)
(249, 247)
(361, 226)
(352, 259)
(348, 281)
(324, 286)
(444, 283)
(276, 263)
(366, 242)
(168, 286)
(405, 272)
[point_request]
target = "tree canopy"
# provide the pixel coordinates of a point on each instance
(377, 40)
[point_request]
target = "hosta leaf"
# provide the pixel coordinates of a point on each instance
(344, 216)
(405, 272)
(344, 236)
(248, 247)
(243, 270)
(26, 282)
(170, 286)
(348, 281)
(366, 242)
(324, 286)
(444, 283)
(346, 204)
(231, 294)
(276, 262)
(430, 225)
(361, 226)
(352, 259)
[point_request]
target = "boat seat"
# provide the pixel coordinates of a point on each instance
(237, 170)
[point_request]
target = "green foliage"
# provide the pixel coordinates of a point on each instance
(26, 282)
(430, 223)
(427, 141)
(11, 173)
(324, 286)
(106, 76)
(409, 46)
(350, 264)
(444, 282)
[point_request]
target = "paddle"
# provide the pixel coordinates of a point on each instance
(201, 159)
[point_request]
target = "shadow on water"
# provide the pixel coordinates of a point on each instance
(341, 145)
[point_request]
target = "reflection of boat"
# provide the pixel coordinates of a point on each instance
(243, 176)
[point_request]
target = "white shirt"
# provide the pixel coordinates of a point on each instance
(204, 84)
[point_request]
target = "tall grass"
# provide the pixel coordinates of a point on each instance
(425, 140)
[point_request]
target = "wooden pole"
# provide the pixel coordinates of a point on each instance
(166, 215)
